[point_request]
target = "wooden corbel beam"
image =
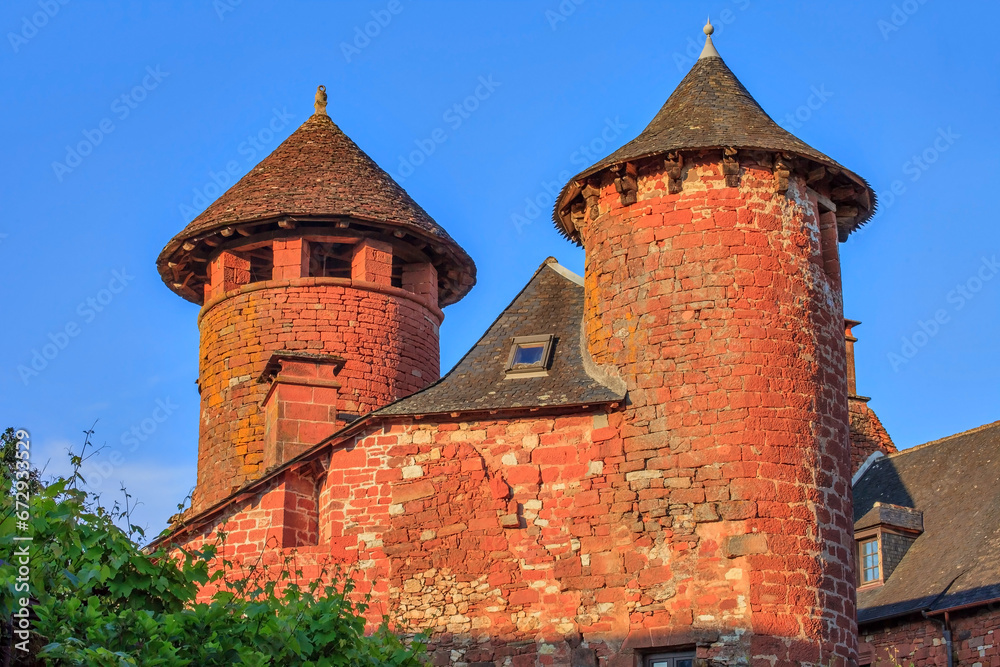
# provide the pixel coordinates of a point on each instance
(627, 182)
(730, 167)
(817, 174)
(674, 166)
(844, 226)
(591, 196)
(782, 171)
(577, 212)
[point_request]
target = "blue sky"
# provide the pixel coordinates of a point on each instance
(168, 96)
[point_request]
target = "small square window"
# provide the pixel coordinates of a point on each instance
(871, 567)
(529, 356)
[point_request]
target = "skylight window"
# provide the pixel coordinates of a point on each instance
(529, 356)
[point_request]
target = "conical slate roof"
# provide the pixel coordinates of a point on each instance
(709, 109)
(319, 173)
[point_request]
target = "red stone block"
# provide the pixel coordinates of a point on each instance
(523, 596)
(554, 455)
(520, 475)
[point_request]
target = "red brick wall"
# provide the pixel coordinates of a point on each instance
(919, 642)
(504, 539)
(389, 338)
(715, 307)
(976, 636)
(525, 538)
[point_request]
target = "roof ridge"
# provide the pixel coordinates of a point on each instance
(945, 438)
(554, 264)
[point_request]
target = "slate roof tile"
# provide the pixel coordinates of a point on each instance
(319, 171)
(710, 108)
(551, 303)
(955, 482)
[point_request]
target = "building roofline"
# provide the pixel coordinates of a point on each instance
(939, 441)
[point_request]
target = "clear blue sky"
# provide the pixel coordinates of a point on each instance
(206, 85)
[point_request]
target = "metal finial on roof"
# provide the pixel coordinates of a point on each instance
(320, 104)
(709, 50)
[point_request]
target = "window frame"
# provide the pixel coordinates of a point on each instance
(860, 539)
(670, 656)
(538, 369)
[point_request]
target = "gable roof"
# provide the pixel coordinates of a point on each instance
(551, 303)
(710, 109)
(955, 482)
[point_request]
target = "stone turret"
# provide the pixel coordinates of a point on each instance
(321, 283)
(713, 291)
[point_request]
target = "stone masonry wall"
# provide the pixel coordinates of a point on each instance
(867, 434)
(388, 337)
(714, 306)
(516, 542)
(519, 542)
(919, 642)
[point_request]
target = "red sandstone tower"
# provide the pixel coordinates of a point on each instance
(321, 283)
(713, 291)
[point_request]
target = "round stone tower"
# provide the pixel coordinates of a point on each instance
(321, 283)
(713, 291)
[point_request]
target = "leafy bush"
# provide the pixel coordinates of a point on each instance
(98, 599)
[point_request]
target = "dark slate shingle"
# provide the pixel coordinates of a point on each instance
(319, 171)
(955, 482)
(709, 109)
(551, 303)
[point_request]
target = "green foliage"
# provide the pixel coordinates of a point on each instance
(11, 463)
(101, 600)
